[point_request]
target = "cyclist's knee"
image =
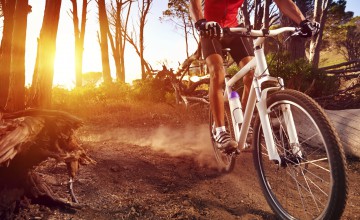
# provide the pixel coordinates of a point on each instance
(216, 69)
(216, 73)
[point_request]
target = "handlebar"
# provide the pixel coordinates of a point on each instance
(261, 34)
(247, 32)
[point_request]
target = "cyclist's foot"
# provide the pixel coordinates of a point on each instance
(225, 142)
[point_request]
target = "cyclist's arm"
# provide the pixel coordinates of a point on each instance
(196, 10)
(289, 8)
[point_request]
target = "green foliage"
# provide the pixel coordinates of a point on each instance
(348, 44)
(178, 13)
(300, 75)
(342, 31)
(90, 99)
(233, 69)
(150, 89)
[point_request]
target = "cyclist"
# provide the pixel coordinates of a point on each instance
(223, 13)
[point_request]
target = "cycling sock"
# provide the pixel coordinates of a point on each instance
(219, 129)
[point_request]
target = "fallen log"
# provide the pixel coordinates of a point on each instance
(28, 138)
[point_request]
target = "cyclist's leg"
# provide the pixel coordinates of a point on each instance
(212, 51)
(216, 69)
(247, 80)
(242, 52)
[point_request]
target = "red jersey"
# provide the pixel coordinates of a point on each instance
(222, 11)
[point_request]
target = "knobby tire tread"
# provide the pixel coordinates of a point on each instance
(339, 168)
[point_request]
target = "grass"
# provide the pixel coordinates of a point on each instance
(118, 106)
(330, 57)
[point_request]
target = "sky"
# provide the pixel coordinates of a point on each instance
(163, 43)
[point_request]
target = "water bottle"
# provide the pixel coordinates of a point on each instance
(235, 107)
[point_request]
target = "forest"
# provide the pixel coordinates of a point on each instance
(111, 149)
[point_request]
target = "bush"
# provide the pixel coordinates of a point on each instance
(300, 75)
(90, 99)
(149, 90)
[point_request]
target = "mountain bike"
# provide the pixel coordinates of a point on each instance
(297, 154)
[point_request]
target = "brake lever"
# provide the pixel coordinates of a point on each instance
(295, 34)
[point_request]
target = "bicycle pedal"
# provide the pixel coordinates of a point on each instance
(232, 151)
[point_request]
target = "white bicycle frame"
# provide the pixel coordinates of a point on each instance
(258, 96)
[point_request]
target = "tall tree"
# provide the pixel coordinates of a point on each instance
(178, 13)
(266, 13)
(245, 14)
(320, 15)
(79, 34)
(8, 8)
(104, 28)
(40, 94)
(348, 42)
(144, 8)
(342, 30)
(16, 96)
(132, 39)
(117, 39)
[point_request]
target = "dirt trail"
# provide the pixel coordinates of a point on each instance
(161, 172)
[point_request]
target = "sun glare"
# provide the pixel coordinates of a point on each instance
(64, 70)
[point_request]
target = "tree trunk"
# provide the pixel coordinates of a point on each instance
(120, 75)
(5, 56)
(122, 38)
(321, 8)
(295, 46)
(258, 14)
(40, 94)
(266, 18)
(144, 10)
(104, 27)
(16, 96)
(245, 13)
(118, 45)
(79, 38)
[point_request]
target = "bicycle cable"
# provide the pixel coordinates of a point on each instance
(272, 59)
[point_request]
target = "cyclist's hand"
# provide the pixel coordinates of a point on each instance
(210, 29)
(308, 28)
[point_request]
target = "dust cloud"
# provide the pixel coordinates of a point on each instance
(191, 141)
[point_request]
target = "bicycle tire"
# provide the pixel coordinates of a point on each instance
(310, 186)
(226, 162)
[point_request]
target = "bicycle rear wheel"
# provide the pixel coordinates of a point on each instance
(225, 161)
(309, 185)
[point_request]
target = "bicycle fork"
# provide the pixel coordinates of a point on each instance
(287, 115)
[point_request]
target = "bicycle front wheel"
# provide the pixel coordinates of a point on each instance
(310, 181)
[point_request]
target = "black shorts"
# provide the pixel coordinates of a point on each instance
(241, 47)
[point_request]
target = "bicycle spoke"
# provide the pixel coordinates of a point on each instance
(312, 163)
(309, 138)
(298, 190)
(305, 188)
(301, 186)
